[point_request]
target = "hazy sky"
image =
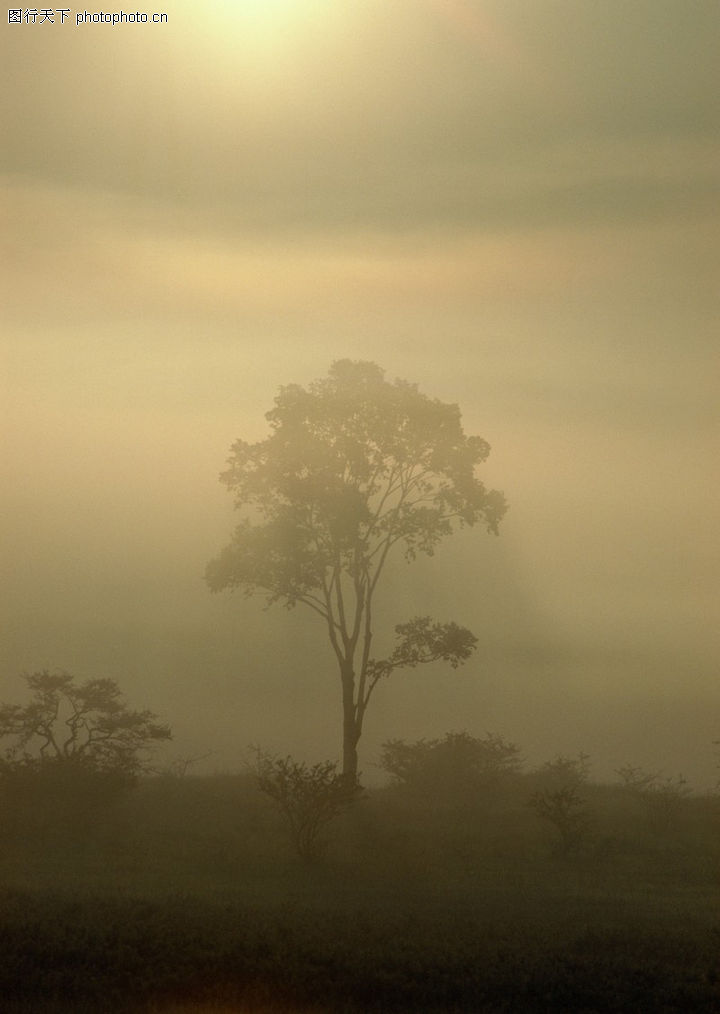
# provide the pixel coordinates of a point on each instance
(513, 203)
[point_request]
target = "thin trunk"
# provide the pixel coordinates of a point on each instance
(351, 733)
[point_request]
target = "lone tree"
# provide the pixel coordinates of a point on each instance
(354, 467)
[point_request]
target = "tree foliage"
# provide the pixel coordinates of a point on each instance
(81, 724)
(563, 771)
(354, 468)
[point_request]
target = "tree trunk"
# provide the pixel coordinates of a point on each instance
(351, 733)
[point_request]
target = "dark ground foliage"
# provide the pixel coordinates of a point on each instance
(184, 895)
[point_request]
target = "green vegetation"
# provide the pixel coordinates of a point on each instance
(185, 894)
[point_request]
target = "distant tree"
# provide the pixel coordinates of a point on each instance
(69, 752)
(559, 800)
(636, 780)
(355, 467)
(67, 723)
(567, 811)
(454, 763)
(564, 771)
(663, 796)
(179, 766)
(308, 796)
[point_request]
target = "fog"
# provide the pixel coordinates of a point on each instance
(513, 205)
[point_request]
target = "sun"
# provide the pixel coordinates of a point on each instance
(263, 36)
(270, 27)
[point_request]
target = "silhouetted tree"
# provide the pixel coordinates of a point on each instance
(567, 811)
(354, 467)
(70, 751)
(71, 723)
(308, 796)
(563, 771)
(560, 802)
(664, 796)
(636, 780)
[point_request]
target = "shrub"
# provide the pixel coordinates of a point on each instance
(457, 763)
(663, 796)
(567, 811)
(560, 802)
(309, 797)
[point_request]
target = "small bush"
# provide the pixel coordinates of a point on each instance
(309, 797)
(567, 811)
(559, 801)
(662, 796)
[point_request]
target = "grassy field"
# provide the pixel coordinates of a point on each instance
(184, 895)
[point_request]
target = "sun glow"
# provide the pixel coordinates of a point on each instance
(263, 15)
(245, 31)
(266, 8)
